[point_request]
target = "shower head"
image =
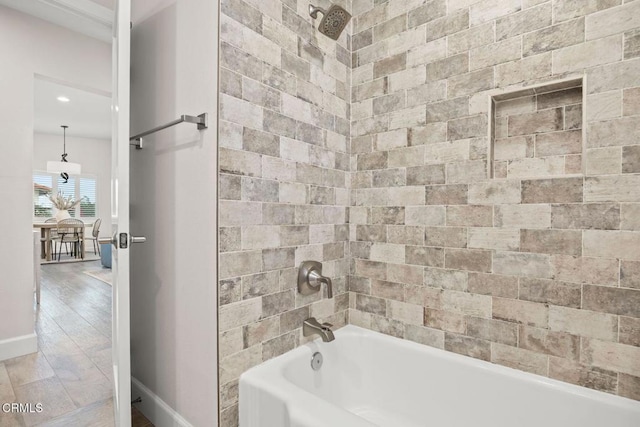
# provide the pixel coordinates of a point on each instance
(333, 20)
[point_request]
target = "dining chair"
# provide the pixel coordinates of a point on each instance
(94, 235)
(71, 230)
(53, 237)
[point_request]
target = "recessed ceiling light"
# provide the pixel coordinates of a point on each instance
(63, 99)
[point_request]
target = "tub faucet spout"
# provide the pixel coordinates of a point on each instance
(312, 327)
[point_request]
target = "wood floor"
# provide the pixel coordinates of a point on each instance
(71, 373)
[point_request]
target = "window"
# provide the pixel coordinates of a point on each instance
(42, 186)
(82, 186)
(88, 195)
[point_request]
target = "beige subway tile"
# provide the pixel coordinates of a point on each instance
(488, 10)
(587, 55)
(554, 343)
(530, 19)
(612, 244)
(497, 192)
(455, 194)
(467, 346)
(523, 216)
(518, 358)
(631, 159)
(467, 171)
(520, 105)
(240, 313)
(407, 313)
(493, 330)
(558, 143)
(621, 301)
(446, 279)
(616, 132)
(612, 356)
(631, 101)
(241, 112)
(427, 256)
(525, 312)
(234, 365)
(448, 24)
(466, 303)
(387, 252)
(385, 289)
(583, 323)
(425, 215)
(470, 215)
(426, 175)
(522, 264)
(493, 284)
(629, 386)
(240, 263)
(612, 188)
(468, 259)
(240, 162)
(445, 320)
(630, 216)
(427, 52)
(548, 120)
(494, 238)
(554, 37)
(466, 40)
(567, 242)
(617, 75)
(402, 273)
(604, 106)
(550, 291)
(259, 332)
(629, 331)
(406, 235)
(445, 152)
(537, 167)
(583, 375)
(599, 271)
(604, 161)
(407, 79)
(453, 237)
(569, 9)
(527, 69)
(557, 190)
(470, 83)
(423, 335)
(612, 21)
(496, 53)
(604, 216)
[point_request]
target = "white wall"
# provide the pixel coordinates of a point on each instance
(173, 204)
(31, 46)
(95, 157)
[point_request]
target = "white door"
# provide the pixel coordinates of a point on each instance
(120, 214)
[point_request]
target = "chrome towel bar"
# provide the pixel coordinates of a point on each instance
(200, 120)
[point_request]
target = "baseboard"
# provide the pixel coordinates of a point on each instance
(18, 346)
(155, 409)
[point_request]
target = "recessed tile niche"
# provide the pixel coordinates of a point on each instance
(537, 132)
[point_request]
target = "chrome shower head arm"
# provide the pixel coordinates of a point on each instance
(313, 11)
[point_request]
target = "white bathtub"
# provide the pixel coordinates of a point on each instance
(371, 379)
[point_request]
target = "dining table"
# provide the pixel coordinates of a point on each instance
(45, 237)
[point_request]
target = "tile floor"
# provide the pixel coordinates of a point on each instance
(71, 373)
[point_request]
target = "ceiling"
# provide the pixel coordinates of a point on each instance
(87, 114)
(93, 18)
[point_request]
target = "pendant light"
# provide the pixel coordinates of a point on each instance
(64, 167)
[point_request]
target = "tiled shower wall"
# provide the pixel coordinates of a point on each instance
(542, 275)
(283, 176)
